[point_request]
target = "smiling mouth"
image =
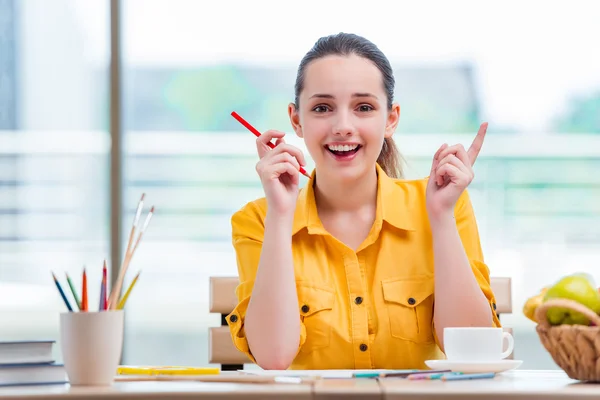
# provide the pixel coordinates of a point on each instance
(343, 150)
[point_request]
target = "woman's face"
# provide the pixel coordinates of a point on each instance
(343, 115)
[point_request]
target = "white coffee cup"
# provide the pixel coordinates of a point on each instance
(91, 345)
(477, 344)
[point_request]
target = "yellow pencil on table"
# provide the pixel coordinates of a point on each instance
(140, 370)
(124, 299)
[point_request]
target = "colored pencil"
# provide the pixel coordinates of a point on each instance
(166, 370)
(84, 293)
(106, 287)
(77, 301)
(62, 293)
(430, 376)
(468, 376)
(225, 378)
(257, 134)
(131, 285)
(102, 301)
(418, 373)
(399, 373)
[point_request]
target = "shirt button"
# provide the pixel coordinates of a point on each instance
(358, 300)
(305, 308)
(233, 318)
(363, 347)
(411, 301)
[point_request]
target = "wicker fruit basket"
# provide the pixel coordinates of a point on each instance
(574, 348)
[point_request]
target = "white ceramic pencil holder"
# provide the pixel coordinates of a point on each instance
(91, 345)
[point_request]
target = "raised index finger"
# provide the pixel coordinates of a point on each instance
(473, 151)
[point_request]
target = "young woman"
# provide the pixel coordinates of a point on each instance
(359, 268)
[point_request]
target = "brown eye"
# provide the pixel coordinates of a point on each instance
(365, 108)
(320, 109)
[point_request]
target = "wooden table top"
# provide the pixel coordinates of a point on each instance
(514, 385)
(519, 384)
(162, 391)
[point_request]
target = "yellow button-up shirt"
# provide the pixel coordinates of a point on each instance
(370, 308)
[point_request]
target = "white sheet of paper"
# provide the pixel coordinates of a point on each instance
(320, 373)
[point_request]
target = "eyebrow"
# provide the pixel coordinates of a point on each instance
(329, 96)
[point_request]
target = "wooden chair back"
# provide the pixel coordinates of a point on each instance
(223, 300)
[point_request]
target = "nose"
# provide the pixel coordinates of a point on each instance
(343, 125)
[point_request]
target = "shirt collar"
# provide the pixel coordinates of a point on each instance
(393, 205)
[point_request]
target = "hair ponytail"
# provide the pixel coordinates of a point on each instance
(390, 160)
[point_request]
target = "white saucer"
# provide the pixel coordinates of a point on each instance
(469, 367)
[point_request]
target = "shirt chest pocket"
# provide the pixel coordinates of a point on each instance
(409, 304)
(316, 312)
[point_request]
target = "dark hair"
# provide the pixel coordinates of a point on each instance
(345, 44)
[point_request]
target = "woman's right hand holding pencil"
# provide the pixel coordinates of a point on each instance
(278, 169)
(272, 323)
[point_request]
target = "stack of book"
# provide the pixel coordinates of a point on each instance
(29, 363)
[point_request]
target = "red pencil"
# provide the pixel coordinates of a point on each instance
(84, 293)
(103, 289)
(257, 134)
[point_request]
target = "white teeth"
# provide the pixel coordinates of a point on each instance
(342, 147)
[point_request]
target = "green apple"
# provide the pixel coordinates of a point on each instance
(589, 277)
(577, 287)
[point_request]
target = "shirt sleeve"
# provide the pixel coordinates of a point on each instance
(247, 237)
(469, 234)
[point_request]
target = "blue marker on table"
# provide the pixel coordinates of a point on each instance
(468, 376)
